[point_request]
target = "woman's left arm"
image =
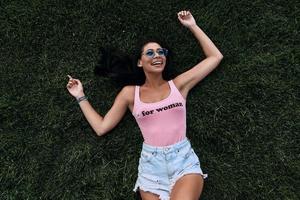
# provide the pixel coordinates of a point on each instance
(187, 80)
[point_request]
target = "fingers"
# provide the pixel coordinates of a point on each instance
(184, 13)
(71, 82)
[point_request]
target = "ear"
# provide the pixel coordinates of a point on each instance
(139, 63)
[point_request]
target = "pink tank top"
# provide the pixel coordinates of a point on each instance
(162, 123)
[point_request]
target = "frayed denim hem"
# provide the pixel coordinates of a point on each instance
(160, 196)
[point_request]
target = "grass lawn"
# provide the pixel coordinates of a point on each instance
(243, 119)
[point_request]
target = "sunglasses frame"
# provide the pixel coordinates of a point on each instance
(164, 50)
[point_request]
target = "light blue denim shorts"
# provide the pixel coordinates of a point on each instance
(160, 167)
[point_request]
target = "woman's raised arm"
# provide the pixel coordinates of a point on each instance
(190, 78)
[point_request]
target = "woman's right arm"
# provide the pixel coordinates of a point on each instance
(100, 125)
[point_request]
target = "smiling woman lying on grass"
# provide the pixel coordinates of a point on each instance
(168, 166)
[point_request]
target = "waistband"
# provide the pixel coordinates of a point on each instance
(176, 146)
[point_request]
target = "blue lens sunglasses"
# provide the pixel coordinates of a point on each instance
(160, 51)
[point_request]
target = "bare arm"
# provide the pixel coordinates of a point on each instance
(100, 125)
(187, 80)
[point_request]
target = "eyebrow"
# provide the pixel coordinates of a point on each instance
(154, 49)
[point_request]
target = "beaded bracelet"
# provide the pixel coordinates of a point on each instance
(82, 99)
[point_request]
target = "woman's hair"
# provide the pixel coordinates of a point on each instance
(123, 69)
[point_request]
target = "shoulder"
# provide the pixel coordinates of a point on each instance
(179, 84)
(127, 93)
(128, 88)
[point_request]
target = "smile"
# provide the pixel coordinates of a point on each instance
(157, 63)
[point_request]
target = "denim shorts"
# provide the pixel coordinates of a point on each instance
(160, 167)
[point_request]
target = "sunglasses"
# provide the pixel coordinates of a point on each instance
(160, 51)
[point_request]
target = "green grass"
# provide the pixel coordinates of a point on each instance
(243, 119)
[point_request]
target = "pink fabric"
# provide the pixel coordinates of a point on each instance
(162, 123)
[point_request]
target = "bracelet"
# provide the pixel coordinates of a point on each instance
(82, 99)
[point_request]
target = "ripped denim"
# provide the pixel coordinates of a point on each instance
(160, 167)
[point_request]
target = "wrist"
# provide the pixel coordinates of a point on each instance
(79, 95)
(82, 98)
(192, 26)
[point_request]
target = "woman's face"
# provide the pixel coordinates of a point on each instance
(153, 59)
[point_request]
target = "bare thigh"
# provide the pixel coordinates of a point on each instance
(188, 187)
(148, 195)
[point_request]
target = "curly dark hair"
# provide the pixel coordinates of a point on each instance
(122, 68)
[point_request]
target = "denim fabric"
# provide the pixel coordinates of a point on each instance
(160, 167)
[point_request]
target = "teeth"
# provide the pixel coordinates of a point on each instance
(157, 63)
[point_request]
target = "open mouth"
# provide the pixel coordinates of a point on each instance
(157, 63)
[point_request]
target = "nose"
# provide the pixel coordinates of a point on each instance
(156, 54)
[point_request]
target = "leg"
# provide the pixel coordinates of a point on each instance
(148, 195)
(188, 187)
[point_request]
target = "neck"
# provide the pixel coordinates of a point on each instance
(154, 80)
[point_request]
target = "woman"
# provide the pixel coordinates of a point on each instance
(168, 166)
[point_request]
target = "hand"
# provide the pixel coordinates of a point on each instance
(75, 88)
(186, 18)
